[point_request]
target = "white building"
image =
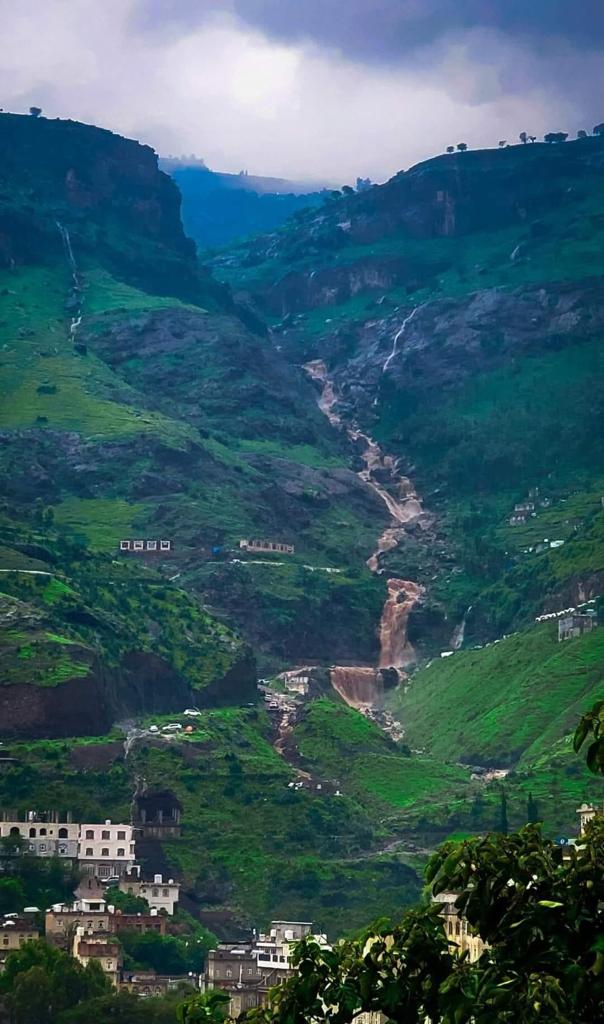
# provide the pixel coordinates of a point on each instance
(273, 951)
(44, 838)
(106, 850)
(160, 895)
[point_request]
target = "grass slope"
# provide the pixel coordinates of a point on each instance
(509, 703)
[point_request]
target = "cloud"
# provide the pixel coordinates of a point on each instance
(336, 91)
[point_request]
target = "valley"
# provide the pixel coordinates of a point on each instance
(373, 390)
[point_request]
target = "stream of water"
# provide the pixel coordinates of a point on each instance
(359, 685)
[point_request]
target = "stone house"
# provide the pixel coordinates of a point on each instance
(157, 815)
(96, 917)
(571, 626)
(45, 834)
(248, 970)
(159, 894)
(457, 929)
(103, 949)
(266, 546)
(14, 931)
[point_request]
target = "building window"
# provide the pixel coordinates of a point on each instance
(155, 892)
(62, 849)
(124, 545)
(151, 545)
(105, 834)
(5, 942)
(89, 833)
(120, 852)
(105, 870)
(165, 545)
(165, 892)
(228, 973)
(62, 833)
(42, 831)
(88, 852)
(105, 851)
(121, 835)
(42, 847)
(138, 545)
(15, 831)
(32, 833)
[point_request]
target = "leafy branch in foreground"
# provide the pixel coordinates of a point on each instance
(538, 908)
(591, 726)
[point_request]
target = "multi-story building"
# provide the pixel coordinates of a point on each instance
(106, 850)
(14, 931)
(159, 894)
(458, 932)
(63, 919)
(157, 815)
(45, 834)
(97, 917)
(248, 970)
(572, 626)
(103, 949)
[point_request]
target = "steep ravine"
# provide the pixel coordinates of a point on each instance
(361, 686)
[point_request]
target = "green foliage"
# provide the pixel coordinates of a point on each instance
(166, 954)
(126, 902)
(209, 1008)
(509, 702)
(541, 918)
(39, 982)
(591, 727)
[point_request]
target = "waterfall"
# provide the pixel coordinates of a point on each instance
(64, 233)
(360, 687)
(357, 685)
(76, 290)
(395, 649)
(398, 335)
(460, 631)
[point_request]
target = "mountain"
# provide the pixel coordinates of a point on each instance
(329, 428)
(219, 208)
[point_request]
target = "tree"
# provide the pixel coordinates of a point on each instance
(210, 1008)
(532, 138)
(35, 111)
(502, 143)
(523, 138)
(503, 824)
(125, 901)
(540, 914)
(591, 726)
(347, 190)
(462, 146)
(555, 137)
(599, 129)
(40, 981)
(532, 809)
(450, 149)
(581, 134)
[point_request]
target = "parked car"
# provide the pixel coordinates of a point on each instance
(192, 712)
(153, 728)
(172, 727)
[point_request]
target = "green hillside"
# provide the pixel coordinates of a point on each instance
(507, 704)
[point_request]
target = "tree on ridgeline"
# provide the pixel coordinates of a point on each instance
(599, 129)
(35, 111)
(450, 149)
(581, 134)
(523, 138)
(532, 810)
(555, 137)
(462, 146)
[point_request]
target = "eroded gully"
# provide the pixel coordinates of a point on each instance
(362, 686)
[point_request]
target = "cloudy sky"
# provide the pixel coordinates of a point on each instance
(308, 88)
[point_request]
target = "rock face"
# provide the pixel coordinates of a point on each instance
(142, 684)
